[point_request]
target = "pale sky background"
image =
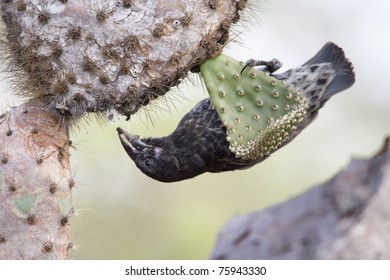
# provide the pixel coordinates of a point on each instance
(122, 214)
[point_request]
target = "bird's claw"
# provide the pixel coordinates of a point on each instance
(270, 66)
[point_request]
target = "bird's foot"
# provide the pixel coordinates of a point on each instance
(270, 66)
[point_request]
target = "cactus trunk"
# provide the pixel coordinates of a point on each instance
(35, 190)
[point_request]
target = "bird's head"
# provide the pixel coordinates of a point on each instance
(156, 162)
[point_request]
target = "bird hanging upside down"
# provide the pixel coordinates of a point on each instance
(272, 111)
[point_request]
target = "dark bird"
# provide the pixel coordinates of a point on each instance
(199, 143)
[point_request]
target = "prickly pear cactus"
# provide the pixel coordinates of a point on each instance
(109, 56)
(69, 58)
(259, 112)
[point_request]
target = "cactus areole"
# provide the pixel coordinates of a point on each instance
(259, 112)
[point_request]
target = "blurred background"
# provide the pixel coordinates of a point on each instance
(122, 214)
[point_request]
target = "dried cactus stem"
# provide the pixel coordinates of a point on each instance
(34, 189)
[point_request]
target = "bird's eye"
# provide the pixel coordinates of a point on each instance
(147, 162)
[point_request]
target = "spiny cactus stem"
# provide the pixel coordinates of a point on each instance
(109, 56)
(31, 210)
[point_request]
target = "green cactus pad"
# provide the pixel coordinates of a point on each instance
(259, 112)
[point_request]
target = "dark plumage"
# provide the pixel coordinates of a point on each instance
(199, 142)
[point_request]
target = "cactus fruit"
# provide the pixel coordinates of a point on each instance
(258, 111)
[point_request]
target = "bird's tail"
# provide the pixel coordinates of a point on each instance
(325, 74)
(344, 75)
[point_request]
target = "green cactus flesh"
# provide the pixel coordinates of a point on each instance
(66, 205)
(25, 203)
(259, 112)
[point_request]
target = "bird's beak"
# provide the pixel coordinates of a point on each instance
(131, 143)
